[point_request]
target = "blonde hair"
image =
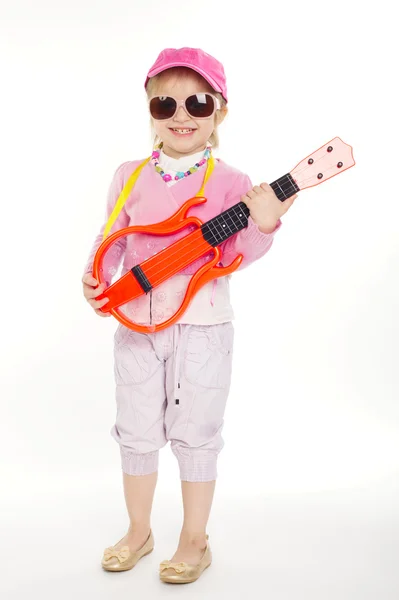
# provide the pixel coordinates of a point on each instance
(183, 72)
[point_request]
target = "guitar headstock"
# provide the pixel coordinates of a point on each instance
(331, 159)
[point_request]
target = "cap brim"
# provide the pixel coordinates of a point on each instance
(209, 79)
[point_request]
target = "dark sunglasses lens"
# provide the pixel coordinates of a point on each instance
(200, 105)
(162, 107)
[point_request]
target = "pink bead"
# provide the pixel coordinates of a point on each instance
(185, 174)
(167, 177)
(202, 162)
(176, 178)
(155, 154)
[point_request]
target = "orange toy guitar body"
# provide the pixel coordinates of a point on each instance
(328, 161)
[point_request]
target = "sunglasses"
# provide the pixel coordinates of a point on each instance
(198, 106)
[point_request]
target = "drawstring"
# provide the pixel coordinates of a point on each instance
(180, 334)
(177, 364)
(178, 345)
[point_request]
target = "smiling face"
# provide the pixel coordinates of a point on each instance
(182, 134)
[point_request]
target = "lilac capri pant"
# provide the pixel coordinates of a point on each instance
(172, 385)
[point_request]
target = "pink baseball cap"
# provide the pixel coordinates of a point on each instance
(195, 59)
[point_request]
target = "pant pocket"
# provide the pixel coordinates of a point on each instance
(135, 359)
(121, 335)
(208, 355)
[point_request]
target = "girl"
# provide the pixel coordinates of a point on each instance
(172, 385)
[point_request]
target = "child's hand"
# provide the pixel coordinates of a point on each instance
(91, 290)
(264, 206)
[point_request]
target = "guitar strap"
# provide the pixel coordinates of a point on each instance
(131, 183)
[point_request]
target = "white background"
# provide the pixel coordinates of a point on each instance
(312, 424)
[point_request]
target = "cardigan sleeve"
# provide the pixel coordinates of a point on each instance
(250, 242)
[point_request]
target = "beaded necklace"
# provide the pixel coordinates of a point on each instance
(166, 176)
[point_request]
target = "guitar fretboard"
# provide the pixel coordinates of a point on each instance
(231, 221)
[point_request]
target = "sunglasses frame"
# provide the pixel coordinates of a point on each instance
(179, 103)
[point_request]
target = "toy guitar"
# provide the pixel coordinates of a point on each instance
(323, 164)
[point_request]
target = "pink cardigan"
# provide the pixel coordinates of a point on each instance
(152, 201)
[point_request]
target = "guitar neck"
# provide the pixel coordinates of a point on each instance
(228, 223)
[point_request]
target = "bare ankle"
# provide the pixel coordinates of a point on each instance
(139, 529)
(194, 539)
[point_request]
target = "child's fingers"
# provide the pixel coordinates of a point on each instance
(88, 279)
(93, 293)
(102, 314)
(96, 304)
(266, 187)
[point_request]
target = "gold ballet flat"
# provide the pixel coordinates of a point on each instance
(123, 559)
(181, 572)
